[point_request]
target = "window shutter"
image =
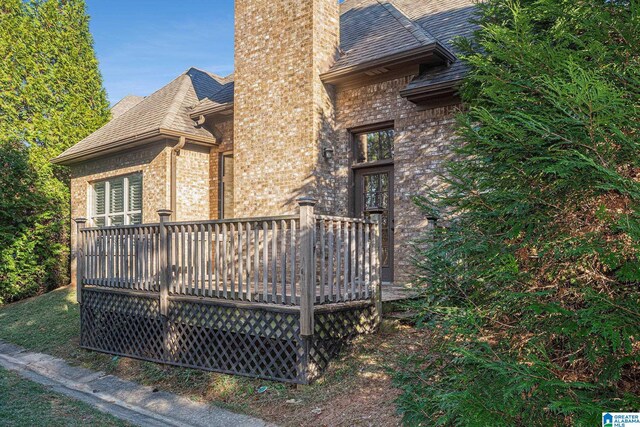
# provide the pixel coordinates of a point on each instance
(116, 196)
(135, 193)
(99, 202)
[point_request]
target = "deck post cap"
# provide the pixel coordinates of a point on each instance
(81, 220)
(164, 212)
(307, 201)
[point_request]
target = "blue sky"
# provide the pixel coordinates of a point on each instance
(144, 44)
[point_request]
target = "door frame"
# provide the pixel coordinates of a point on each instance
(353, 166)
(354, 169)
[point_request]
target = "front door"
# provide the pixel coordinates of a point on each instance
(374, 194)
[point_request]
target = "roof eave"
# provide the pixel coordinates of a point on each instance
(216, 109)
(444, 52)
(125, 143)
(413, 56)
(422, 94)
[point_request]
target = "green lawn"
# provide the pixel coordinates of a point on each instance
(47, 323)
(25, 403)
(356, 385)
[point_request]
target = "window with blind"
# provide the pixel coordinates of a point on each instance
(117, 201)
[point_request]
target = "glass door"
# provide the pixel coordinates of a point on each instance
(374, 194)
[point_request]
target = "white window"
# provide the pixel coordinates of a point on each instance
(117, 201)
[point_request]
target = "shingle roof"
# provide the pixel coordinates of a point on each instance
(124, 105)
(373, 29)
(369, 33)
(165, 110)
(221, 98)
(445, 20)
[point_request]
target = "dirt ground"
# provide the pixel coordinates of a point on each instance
(356, 390)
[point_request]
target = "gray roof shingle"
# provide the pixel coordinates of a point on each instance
(374, 29)
(369, 33)
(124, 105)
(223, 96)
(166, 109)
(446, 20)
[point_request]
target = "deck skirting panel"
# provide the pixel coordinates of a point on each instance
(252, 341)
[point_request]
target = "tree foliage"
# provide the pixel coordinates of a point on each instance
(532, 290)
(51, 97)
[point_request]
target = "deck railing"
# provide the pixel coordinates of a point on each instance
(299, 260)
(123, 257)
(247, 259)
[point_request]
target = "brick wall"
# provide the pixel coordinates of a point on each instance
(192, 183)
(226, 145)
(423, 141)
(283, 112)
(152, 161)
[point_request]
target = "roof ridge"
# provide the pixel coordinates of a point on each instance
(139, 104)
(177, 100)
(416, 30)
(130, 95)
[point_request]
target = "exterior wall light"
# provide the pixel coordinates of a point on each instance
(327, 153)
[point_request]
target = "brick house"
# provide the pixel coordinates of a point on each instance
(352, 104)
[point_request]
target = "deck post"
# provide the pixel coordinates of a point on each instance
(80, 223)
(307, 265)
(377, 272)
(164, 214)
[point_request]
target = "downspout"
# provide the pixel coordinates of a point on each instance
(175, 152)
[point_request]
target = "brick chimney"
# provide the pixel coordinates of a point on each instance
(283, 114)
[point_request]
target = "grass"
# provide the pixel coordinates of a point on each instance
(25, 403)
(47, 323)
(355, 391)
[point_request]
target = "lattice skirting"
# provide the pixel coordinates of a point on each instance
(262, 342)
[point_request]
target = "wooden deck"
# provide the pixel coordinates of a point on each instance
(273, 297)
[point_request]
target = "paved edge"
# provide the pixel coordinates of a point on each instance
(126, 400)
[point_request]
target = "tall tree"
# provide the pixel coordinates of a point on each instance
(51, 97)
(532, 290)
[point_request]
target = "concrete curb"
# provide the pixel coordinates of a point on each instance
(126, 400)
